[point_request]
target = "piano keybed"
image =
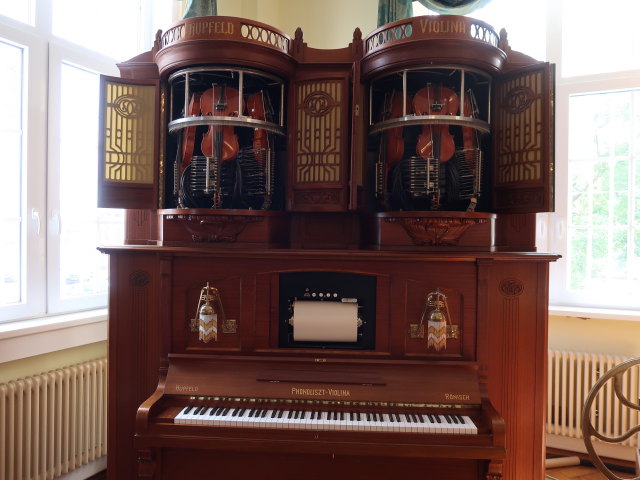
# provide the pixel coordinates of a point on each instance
(319, 419)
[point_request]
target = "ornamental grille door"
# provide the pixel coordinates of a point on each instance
(128, 148)
(523, 129)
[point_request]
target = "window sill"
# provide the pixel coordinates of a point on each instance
(595, 313)
(37, 336)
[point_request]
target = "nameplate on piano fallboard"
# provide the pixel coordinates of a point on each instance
(305, 379)
(316, 376)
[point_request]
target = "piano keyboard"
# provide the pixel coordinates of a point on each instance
(326, 420)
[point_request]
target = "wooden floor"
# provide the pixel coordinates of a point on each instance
(580, 473)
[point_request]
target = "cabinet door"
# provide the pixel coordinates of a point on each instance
(319, 145)
(128, 156)
(523, 140)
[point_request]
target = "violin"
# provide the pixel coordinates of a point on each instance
(391, 144)
(394, 139)
(189, 133)
(220, 142)
(256, 109)
(435, 141)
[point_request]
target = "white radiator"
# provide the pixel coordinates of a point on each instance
(571, 377)
(51, 424)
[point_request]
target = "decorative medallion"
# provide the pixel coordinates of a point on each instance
(127, 106)
(511, 287)
(318, 104)
(139, 278)
(518, 99)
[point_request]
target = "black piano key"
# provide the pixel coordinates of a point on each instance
(341, 415)
(204, 410)
(274, 413)
(420, 418)
(187, 409)
(280, 413)
(290, 415)
(397, 417)
(368, 417)
(358, 417)
(448, 419)
(263, 413)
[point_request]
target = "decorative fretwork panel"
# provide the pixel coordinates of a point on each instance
(319, 132)
(129, 133)
(519, 130)
(522, 141)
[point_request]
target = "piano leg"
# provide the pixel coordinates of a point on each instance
(494, 472)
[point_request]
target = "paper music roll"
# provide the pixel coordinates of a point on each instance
(325, 321)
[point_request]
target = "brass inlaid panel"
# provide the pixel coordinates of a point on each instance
(519, 130)
(319, 132)
(129, 133)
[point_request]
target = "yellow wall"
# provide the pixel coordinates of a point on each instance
(51, 361)
(616, 337)
(324, 23)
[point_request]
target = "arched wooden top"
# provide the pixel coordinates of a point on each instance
(432, 39)
(232, 40)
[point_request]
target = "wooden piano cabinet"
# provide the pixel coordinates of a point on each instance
(501, 310)
(178, 463)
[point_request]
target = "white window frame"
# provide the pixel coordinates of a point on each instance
(33, 221)
(60, 53)
(42, 316)
(553, 227)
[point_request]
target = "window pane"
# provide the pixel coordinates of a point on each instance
(11, 193)
(83, 227)
(604, 192)
(110, 28)
(18, 10)
(587, 29)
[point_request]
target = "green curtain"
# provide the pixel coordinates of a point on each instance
(201, 8)
(454, 7)
(392, 10)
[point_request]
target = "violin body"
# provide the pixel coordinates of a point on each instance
(256, 109)
(435, 141)
(189, 133)
(394, 140)
(220, 141)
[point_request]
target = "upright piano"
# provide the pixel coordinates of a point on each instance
(330, 264)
